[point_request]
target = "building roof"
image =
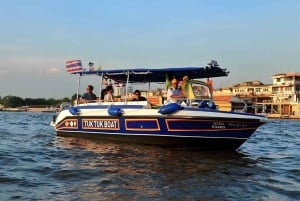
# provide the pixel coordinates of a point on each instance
(286, 74)
(249, 83)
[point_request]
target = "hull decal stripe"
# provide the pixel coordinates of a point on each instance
(152, 135)
(142, 125)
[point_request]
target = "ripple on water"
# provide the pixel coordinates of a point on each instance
(38, 165)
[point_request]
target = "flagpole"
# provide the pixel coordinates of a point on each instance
(73, 67)
(78, 85)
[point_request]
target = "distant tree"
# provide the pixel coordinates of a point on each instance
(35, 101)
(28, 101)
(66, 99)
(40, 101)
(12, 101)
(75, 96)
(52, 101)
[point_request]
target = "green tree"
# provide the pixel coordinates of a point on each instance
(52, 101)
(75, 96)
(66, 100)
(12, 101)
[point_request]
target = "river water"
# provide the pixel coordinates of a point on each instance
(38, 165)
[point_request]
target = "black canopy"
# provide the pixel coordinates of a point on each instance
(159, 74)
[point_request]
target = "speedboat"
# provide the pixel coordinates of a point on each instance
(194, 122)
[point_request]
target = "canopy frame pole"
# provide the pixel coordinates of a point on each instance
(78, 85)
(100, 88)
(126, 88)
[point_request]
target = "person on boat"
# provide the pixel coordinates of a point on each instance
(109, 94)
(174, 93)
(89, 96)
(138, 97)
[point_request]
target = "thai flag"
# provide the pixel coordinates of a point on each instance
(74, 66)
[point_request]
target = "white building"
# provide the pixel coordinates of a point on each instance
(286, 92)
(286, 87)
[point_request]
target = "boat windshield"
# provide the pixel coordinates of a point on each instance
(201, 90)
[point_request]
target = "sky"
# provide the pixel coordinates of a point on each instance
(253, 39)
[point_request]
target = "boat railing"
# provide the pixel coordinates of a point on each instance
(145, 104)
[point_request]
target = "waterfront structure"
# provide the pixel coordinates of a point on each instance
(251, 94)
(286, 93)
(279, 99)
(222, 98)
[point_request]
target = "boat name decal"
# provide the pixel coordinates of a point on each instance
(218, 124)
(97, 123)
(221, 125)
(237, 125)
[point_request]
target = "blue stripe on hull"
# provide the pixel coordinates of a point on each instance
(198, 143)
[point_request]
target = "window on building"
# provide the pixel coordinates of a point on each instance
(288, 78)
(287, 88)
